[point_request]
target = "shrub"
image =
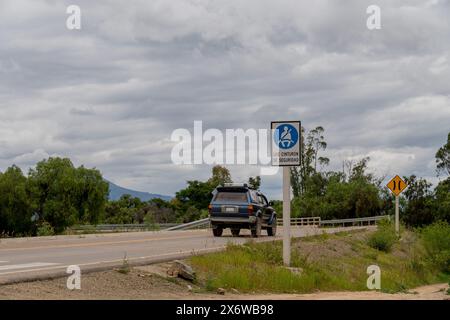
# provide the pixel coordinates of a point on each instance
(384, 238)
(45, 229)
(436, 242)
(149, 221)
(125, 268)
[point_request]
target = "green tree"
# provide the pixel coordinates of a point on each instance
(359, 171)
(66, 195)
(442, 202)
(418, 188)
(220, 175)
(353, 199)
(155, 210)
(16, 205)
(298, 174)
(197, 194)
(192, 213)
(442, 190)
(443, 157)
(315, 143)
(53, 185)
(116, 214)
(127, 209)
(310, 157)
(160, 213)
(331, 196)
(255, 182)
(91, 195)
(419, 209)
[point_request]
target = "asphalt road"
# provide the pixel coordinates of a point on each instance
(25, 259)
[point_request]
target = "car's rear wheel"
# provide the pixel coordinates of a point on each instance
(272, 230)
(235, 232)
(256, 229)
(217, 232)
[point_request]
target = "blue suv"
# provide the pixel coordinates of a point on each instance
(237, 206)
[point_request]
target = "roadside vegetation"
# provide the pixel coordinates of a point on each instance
(384, 238)
(331, 263)
(55, 195)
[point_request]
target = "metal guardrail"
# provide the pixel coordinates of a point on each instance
(122, 227)
(354, 221)
(317, 221)
(190, 225)
(302, 221)
(141, 227)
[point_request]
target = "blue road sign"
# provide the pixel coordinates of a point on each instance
(286, 143)
(285, 136)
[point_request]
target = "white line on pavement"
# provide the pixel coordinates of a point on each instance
(175, 254)
(27, 265)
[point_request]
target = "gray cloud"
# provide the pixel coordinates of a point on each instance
(110, 94)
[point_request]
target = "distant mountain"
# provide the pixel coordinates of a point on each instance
(115, 192)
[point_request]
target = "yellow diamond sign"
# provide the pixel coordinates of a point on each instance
(397, 185)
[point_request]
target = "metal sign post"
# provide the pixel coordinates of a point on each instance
(397, 216)
(286, 216)
(286, 153)
(397, 185)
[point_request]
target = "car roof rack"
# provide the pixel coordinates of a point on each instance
(237, 185)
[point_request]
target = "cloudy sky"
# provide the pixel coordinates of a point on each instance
(110, 95)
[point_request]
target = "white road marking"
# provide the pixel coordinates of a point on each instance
(2, 261)
(27, 265)
(212, 249)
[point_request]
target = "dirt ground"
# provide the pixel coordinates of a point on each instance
(328, 247)
(150, 282)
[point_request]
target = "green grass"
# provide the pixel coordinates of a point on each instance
(257, 267)
(384, 238)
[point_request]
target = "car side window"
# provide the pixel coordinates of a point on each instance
(261, 201)
(264, 201)
(254, 196)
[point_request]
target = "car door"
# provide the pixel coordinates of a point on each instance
(265, 208)
(255, 200)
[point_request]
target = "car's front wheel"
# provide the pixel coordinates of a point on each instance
(217, 232)
(272, 230)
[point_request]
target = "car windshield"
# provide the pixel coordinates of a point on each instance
(232, 196)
